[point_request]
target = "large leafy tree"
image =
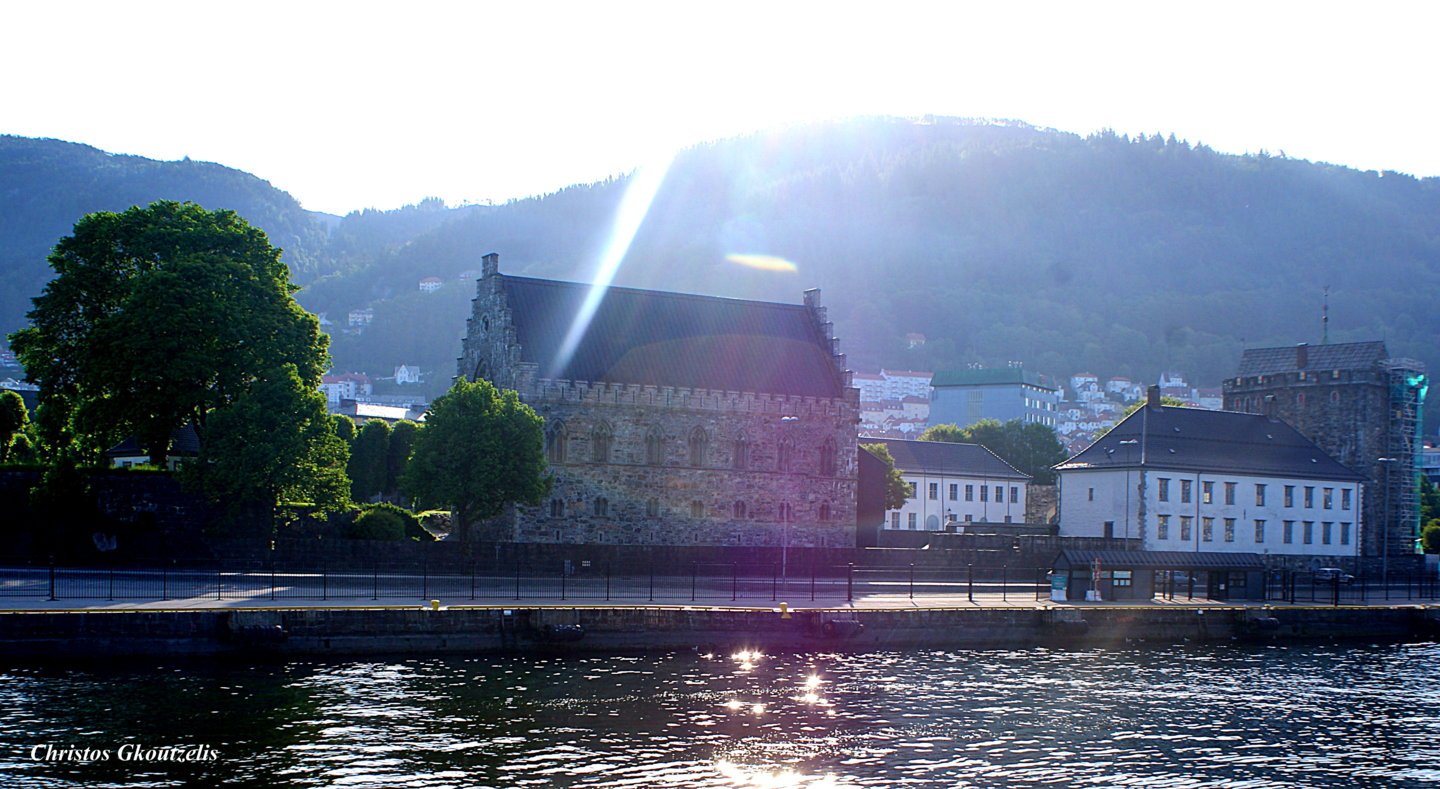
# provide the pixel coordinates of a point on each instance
(397, 454)
(367, 460)
(1030, 447)
(159, 316)
(13, 418)
(897, 491)
(480, 450)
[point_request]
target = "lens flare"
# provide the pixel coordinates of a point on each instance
(763, 262)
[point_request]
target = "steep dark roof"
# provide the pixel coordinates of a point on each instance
(673, 339)
(941, 457)
(1193, 439)
(1160, 560)
(1341, 356)
(184, 442)
(988, 377)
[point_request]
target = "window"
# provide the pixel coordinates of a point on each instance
(1344, 498)
(784, 453)
(999, 494)
(1309, 532)
(1014, 494)
(699, 446)
(1327, 498)
(1162, 527)
(1121, 577)
(652, 508)
(913, 493)
(1344, 534)
(1184, 491)
(654, 447)
(1164, 488)
(600, 439)
(895, 520)
(739, 509)
(1259, 532)
(934, 491)
(1207, 529)
(1309, 497)
(1229, 493)
(1287, 535)
(1091, 494)
(557, 508)
(985, 493)
(1325, 529)
(1229, 530)
(969, 518)
(602, 507)
(555, 440)
(911, 521)
(697, 509)
(824, 512)
(954, 492)
(740, 459)
(1207, 493)
(827, 458)
(969, 492)
(1185, 522)
(1259, 495)
(1289, 495)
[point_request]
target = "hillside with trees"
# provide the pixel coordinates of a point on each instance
(997, 241)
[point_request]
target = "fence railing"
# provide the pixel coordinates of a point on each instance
(478, 582)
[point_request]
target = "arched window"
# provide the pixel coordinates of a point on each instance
(1335, 397)
(602, 506)
(824, 512)
(740, 510)
(784, 455)
(555, 441)
(741, 457)
(652, 508)
(654, 447)
(697, 509)
(600, 439)
(699, 443)
(827, 459)
(557, 508)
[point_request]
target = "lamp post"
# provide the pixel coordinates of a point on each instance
(1385, 528)
(1128, 460)
(787, 511)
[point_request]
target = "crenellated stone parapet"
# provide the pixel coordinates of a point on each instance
(548, 390)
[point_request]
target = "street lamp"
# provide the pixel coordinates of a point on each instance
(787, 511)
(1385, 529)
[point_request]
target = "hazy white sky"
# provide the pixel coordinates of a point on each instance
(348, 105)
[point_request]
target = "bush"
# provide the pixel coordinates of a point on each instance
(385, 522)
(1430, 536)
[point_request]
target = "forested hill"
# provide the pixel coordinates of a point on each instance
(998, 242)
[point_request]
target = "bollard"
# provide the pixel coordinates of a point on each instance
(784, 610)
(434, 605)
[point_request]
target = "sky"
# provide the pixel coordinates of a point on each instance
(353, 105)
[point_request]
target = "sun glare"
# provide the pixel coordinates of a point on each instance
(763, 262)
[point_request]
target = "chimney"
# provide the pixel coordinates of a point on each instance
(1302, 356)
(1152, 396)
(490, 265)
(1270, 407)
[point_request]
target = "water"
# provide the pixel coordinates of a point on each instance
(1228, 716)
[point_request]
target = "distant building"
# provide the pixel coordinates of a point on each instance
(407, 374)
(184, 446)
(963, 397)
(359, 319)
(955, 483)
(1186, 479)
(430, 284)
(345, 386)
(1358, 404)
(893, 385)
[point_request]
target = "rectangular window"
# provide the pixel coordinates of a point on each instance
(1309, 532)
(1289, 495)
(913, 493)
(934, 490)
(1229, 493)
(1185, 521)
(1288, 534)
(999, 494)
(1327, 498)
(1309, 497)
(1325, 529)
(1122, 578)
(969, 518)
(1207, 493)
(1259, 532)
(910, 520)
(1164, 490)
(1259, 495)
(954, 492)
(1229, 530)
(985, 492)
(1014, 494)
(1184, 491)
(1207, 529)
(1162, 527)
(969, 492)
(1345, 498)
(894, 520)
(1344, 534)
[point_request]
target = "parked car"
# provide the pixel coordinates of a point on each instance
(1332, 575)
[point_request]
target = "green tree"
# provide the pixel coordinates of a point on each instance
(367, 460)
(397, 454)
(897, 492)
(13, 418)
(1429, 499)
(481, 449)
(344, 427)
(1032, 448)
(1430, 536)
(159, 316)
(275, 443)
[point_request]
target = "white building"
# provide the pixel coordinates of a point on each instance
(346, 386)
(1186, 479)
(963, 483)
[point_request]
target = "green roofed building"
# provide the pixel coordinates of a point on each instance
(964, 397)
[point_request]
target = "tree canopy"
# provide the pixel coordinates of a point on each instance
(1030, 447)
(13, 418)
(480, 450)
(158, 316)
(897, 491)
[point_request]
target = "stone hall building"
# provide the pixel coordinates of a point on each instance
(672, 418)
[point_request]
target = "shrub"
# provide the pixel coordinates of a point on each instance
(385, 521)
(1430, 536)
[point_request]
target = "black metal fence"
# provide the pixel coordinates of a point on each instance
(1335, 588)
(711, 583)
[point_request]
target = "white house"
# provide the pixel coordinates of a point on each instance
(961, 483)
(1186, 479)
(430, 284)
(407, 374)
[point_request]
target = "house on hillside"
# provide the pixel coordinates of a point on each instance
(672, 418)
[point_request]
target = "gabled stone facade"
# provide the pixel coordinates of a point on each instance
(653, 445)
